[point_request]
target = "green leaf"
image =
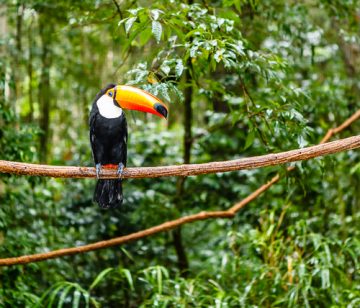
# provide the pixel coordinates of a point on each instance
(325, 278)
(156, 29)
(165, 68)
(100, 277)
(55, 292)
(144, 36)
(45, 295)
(219, 54)
(128, 276)
(249, 139)
(87, 299)
(164, 91)
(76, 298)
(64, 294)
(355, 169)
(159, 278)
(179, 68)
(155, 14)
(135, 11)
(177, 92)
(129, 23)
(127, 253)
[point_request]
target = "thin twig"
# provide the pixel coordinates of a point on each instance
(118, 9)
(167, 225)
(338, 129)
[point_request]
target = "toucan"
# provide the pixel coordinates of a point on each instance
(109, 135)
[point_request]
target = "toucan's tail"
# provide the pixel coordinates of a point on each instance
(108, 193)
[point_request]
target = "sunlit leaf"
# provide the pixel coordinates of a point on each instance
(76, 298)
(63, 295)
(129, 23)
(179, 68)
(156, 29)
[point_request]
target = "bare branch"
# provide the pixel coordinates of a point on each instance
(187, 169)
(177, 222)
(116, 241)
(118, 9)
(344, 125)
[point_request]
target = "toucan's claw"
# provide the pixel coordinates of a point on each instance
(98, 170)
(120, 170)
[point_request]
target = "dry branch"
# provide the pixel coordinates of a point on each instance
(170, 224)
(116, 241)
(184, 170)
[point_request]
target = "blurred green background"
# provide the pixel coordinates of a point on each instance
(241, 78)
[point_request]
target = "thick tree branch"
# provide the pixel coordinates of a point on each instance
(170, 224)
(187, 169)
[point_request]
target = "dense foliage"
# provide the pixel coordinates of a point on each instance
(242, 78)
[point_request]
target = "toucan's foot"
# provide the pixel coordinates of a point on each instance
(98, 170)
(120, 170)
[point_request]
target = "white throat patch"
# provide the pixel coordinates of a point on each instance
(107, 108)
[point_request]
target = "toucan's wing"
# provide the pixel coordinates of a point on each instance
(93, 141)
(124, 147)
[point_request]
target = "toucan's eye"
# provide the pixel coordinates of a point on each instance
(110, 94)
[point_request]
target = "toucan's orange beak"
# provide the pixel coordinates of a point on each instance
(132, 98)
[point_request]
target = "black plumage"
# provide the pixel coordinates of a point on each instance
(108, 138)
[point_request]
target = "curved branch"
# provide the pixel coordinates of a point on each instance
(341, 127)
(115, 241)
(184, 170)
(167, 225)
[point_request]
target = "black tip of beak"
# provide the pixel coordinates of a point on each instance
(161, 109)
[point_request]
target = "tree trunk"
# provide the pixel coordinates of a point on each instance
(183, 262)
(17, 53)
(188, 114)
(44, 88)
(3, 52)
(30, 116)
